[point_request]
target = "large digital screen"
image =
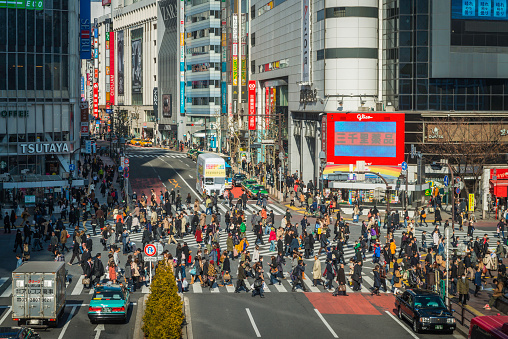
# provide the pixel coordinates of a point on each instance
(479, 9)
(376, 138)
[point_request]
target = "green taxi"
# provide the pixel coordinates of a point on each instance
(254, 189)
(191, 152)
(109, 302)
(248, 183)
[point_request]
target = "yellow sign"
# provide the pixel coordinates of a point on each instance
(215, 170)
(235, 71)
(471, 202)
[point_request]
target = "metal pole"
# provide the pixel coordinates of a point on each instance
(447, 233)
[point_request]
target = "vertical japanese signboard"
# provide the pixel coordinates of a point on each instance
(305, 41)
(267, 107)
(85, 44)
(235, 49)
(96, 100)
(112, 68)
(182, 57)
(323, 133)
(106, 80)
(252, 105)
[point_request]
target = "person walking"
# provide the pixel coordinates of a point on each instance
(63, 239)
(341, 280)
(377, 281)
(98, 269)
(316, 271)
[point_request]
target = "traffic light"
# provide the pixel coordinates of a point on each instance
(397, 187)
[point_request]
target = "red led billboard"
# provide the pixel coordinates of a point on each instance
(376, 138)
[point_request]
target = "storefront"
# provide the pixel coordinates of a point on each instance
(498, 188)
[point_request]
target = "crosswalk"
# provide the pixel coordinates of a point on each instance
(76, 287)
(463, 237)
(155, 155)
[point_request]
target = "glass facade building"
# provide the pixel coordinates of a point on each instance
(203, 58)
(39, 88)
(408, 81)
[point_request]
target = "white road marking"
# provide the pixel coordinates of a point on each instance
(326, 324)
(64, 328)
(7, 292)
(197, 287)
(5, 315)
(280, 287)
(401, 324)
(253, 323)
(308, 282)
(190, 176)
(192, 190)
(230, 288)
(99, 329)
(145, 289)
(79, 286)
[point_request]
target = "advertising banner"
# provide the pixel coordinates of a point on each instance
(96, 100)
(182, 57)
(224, 93)
(120, 53)
(235, 50)
(305, 41)
(252, 105)
(85, 27)
(471, 202)
(323, 133)
(167, 106)
(137, 60)
(376, 138)
(112, 68)
(155, 101)
(267, 107)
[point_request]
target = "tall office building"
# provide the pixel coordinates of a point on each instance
(39, 95)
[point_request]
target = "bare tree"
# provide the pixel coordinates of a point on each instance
(468, 145)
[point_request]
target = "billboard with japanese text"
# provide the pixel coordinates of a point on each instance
(376, 138)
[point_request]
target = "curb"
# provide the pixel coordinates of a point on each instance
(138, 332)
(187, 328)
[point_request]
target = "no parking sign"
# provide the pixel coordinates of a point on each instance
(150, 250)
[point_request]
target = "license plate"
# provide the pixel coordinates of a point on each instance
(439, 327)
(106, 309)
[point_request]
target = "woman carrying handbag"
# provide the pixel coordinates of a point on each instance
(341, 280)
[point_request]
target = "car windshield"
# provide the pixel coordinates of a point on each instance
(108, 295)
(429, 301)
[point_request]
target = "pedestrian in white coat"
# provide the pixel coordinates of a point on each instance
(316, 272)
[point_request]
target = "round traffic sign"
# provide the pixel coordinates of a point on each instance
(126, 175)
(457, 190)
(126, 169)
(404, 166)
(126, 161)
(150, 250)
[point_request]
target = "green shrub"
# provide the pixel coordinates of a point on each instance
(163, 314)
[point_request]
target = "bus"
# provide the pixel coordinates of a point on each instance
(229, 170)
(211, 174)
(489, 327)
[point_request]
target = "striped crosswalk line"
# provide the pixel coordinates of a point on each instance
(79, 286)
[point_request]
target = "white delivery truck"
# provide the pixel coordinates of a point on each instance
(38, 293)
(211, 174)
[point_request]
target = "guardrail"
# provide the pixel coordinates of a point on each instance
(461, 313)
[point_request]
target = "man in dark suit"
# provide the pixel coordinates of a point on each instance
(98, 269)
(87, 271)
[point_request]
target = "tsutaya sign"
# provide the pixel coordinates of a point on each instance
(44, 148)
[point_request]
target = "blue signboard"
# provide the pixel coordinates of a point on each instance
(404, 166)
(224, 95)
(88, 146)
(446, 181)
(213, 142)
(72, 167)
(182, 97)
(108, 111)
(85, 27)
(479, 10)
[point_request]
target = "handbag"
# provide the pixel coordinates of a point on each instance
(85, 281)
(258, 283)
(235, 252)
(192, 271)
(342, 288)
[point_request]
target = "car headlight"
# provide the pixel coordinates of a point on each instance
(450, 321)
(425, 320)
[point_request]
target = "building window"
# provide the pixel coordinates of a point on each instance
(253, 39)
(321, 54)
(321, 15)
(253, 66)
(253, 12)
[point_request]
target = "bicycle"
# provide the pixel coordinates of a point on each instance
(314, 214)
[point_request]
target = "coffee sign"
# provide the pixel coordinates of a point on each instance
(44, 148)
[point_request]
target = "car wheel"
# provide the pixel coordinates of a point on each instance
(399, 312)
(415, 326)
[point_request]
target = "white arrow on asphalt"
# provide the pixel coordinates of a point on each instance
(99, 329)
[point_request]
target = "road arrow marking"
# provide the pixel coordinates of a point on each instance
(99, 329)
